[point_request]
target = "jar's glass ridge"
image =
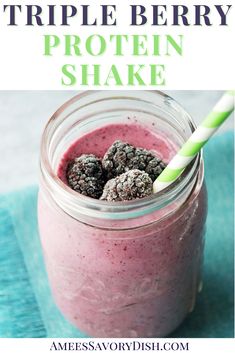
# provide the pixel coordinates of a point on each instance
(82, 113)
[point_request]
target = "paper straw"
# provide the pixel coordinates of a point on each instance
(197, 140)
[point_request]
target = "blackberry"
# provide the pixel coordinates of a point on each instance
(122, 157)
(85, 175)
(134, 184)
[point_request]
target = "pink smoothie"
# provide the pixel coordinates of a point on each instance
(135, 282)
(98, 141)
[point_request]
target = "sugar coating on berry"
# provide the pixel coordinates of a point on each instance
(134, 184)
(122, 157)
(85, 175)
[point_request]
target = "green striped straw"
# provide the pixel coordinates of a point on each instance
(197, 140)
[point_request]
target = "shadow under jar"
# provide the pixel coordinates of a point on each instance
(123, 269)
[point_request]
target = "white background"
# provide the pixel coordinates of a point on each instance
(195, 345)
(207, 62)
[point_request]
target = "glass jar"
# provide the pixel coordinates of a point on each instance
(125, 269)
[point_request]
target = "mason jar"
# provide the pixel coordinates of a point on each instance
(122, 269)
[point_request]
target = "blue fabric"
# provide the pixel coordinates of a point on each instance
(26, 305)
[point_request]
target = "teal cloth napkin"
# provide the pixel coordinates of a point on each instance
(26, 305)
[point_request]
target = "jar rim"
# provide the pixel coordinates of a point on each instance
(100, 208)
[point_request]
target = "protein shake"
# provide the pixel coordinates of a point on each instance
(123, 270)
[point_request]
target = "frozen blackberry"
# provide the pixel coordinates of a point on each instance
(85, 175)
(134, 184)
(122, 157)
